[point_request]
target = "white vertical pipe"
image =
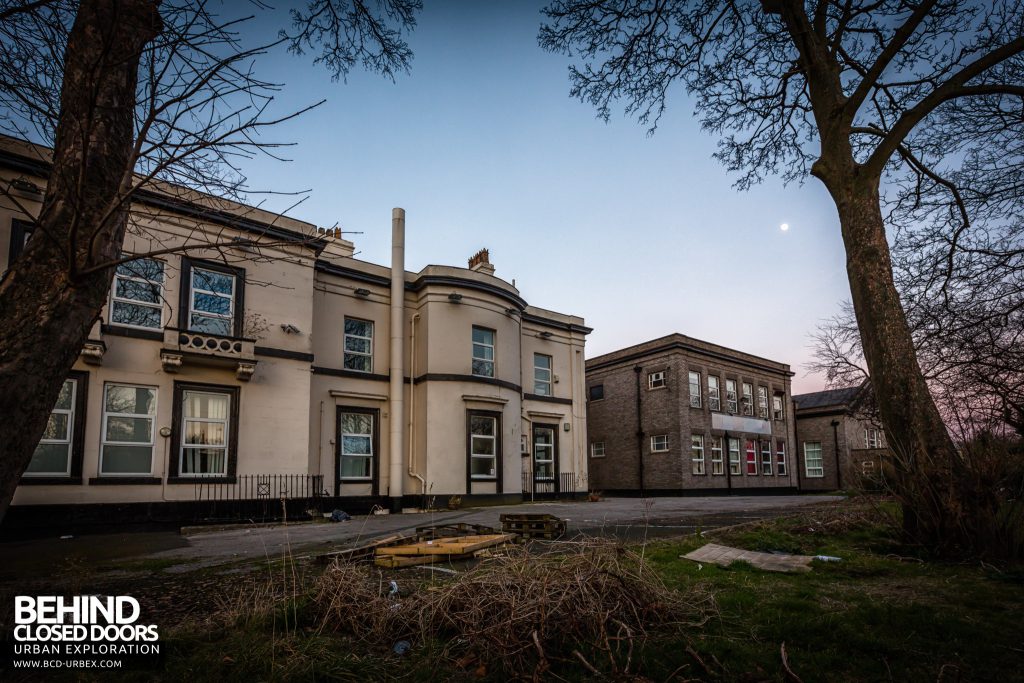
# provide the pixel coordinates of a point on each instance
(397, 330)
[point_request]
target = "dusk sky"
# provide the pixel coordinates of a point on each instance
(483, 147)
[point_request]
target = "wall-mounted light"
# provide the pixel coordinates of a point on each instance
(289, 328)
(455, 297)
(511, 311)
(544, 335)
(26, 186)
(566, 426)
(362, 291)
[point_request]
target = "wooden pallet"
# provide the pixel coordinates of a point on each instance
(436, 531)
(533, 525)
(364, 551)
(456, 545)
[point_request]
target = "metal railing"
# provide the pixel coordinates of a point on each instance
(260, 497)
(564, 486)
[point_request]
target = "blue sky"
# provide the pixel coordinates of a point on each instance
(481, 144)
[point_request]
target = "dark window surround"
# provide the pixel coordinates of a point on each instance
(494, 350)
(175, 454)
(77, 437)
(375, 439)
(185, 295)
(498, 435)
(20, 231)
(595, 389)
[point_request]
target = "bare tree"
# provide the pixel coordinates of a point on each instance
(886, 102)
(136, 97)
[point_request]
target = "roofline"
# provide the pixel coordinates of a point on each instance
(42, 169)
(598, 364)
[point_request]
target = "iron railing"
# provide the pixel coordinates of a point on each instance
(564, 486)
(260, 497)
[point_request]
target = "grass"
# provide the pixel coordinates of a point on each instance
(881, 614)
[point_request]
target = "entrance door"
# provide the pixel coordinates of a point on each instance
(545, 458)
(356, 452)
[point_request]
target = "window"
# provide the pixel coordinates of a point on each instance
(751, 458)
(205, 429)
(61, 442)
(730, 395)
(714, 398)
(483, 352)
(659, 443)
(212, 300)
(483, 446)
(596, 392)
(543, 453)
(873, 438)
(136, 299)
(541, 374)
(20, 232)
(358, 345)
(734, 457)
(597, 449)
(766, 458)
(762, 402)
(129, 414)
(697, 453)
(656, 380)
(813, 462)
(356, 430)
(777, 412)
(695, 389)
(780, 458)
(748, 399)
(717, 464)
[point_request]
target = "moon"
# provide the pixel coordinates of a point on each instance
(784, 227)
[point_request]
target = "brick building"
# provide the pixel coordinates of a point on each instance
(840, 444)
(677, 414)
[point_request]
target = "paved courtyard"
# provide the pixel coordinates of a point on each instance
(632, 518)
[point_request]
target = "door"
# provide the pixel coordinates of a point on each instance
(356, 465)
(545, 458)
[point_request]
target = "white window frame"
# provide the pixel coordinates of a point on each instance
(346, 478)
(550, 447)
(781, 466)
(697, 454)
(68, 442)
(778, 407)
(596, 452)
(126, 301)
(767, 466)
(818, 470)
(746, 458)
(873, 438)
(659, 443)
(185, 419)
(735, 463)
(731, 397)
(695, 398)
(492, 456)
(656, 380)
(152, 429)
(193, 290)
(492, 346)
(747, 402)
(537, 383)
(714, 393)
(345, 352)
(717, 456)
(762, 402)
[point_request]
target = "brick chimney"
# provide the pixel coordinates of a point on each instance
(480, 262)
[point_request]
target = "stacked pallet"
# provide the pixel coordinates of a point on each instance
(437, 550)
(533, 525)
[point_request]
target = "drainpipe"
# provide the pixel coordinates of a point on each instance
(835, 441)
(796, 449)
(728, 463)
(412, 406)
(397, 386)
(639, 432)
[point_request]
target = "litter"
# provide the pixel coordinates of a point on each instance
(401, 647)
(723, 556)
(340, 516)
(64, 538)
(828, 558)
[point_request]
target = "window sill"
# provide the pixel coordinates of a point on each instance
(202, 480)
(151, 333)
(55, 480)
(124, 481)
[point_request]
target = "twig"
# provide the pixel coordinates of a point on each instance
(790, 676)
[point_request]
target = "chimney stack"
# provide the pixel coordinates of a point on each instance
(480, 262)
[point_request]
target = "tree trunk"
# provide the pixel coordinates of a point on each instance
(46, 307)
(926, 458)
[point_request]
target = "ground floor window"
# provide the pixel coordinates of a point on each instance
(697, 453)
(734, 457)
(751, 458)
(780, 458)
(205, 437)
(61, 443)
(717, 463)
(813, 461)
(356, 431)
(483, 445)
(129, 415)
(544, 453)
(766, 458)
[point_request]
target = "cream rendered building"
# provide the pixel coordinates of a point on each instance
(280, 366)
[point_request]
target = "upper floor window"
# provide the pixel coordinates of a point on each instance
(748, 398)
(596, 392)
(136, 299)
(873, 438)
(777, 411)
(597, 449)
(656, 380)
(214, 298)
(695, 389)
(730, 395)
(659, 443)
(814, 464)
(714, 398)
(762, 402)
(358, 345)
(483, 352)
(541, 374)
